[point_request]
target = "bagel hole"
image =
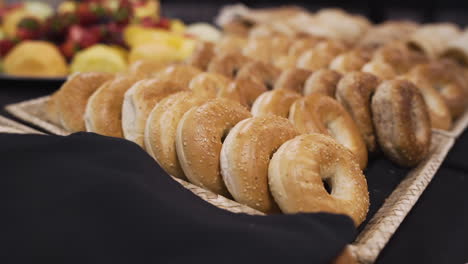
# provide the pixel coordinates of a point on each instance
(269, 85)
(415, 47)
(327, 185)
(223, 137)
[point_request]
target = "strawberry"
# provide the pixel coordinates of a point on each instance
(123, 13)
(5, 46)
(29, 28)
(89, 12)
(150, 22)
(83, 37)
(69, 49)
(164, 23)
(56, 26)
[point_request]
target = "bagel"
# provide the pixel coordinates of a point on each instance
(227, 64)
(388, 32)
(146, 68)
(399, 57)
(293, 79)
(230, 43)
(350, 61)
(321, 55)
(382, 70)
(439, 112)
(138, 103)
(457, 49)
(276, 102)
(202, 55)
(401, 122)
(300, 167)
(181, 74)
(161, 127)
(208, 84)
(245, 155)
(433, 39)
(199, 138)
(70, 101)
(257, 71)
(103, 114)
(51, 112)
(267, 49)
(354, 92)
(318, 113)
(248, 90)
(443, 78)
(322, 81)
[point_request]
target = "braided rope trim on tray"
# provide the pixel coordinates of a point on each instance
(385, 222)
(10, 126)
(32, 111)
(377, 232)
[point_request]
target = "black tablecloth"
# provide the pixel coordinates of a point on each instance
(435, 231)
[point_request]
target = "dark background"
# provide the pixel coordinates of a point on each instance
(377, 11)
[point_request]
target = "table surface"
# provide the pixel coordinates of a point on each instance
(435, 231)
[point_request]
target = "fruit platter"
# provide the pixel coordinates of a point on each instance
(42, 42)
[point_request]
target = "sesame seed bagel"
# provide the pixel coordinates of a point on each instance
(138, 103)
(276, 102)
(161, 126)
(245, 156)
(318, 113)
(299, 168)
(103, 114)
(199, 139)
(322, 81)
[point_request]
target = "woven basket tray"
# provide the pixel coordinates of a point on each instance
(10, 126)
(378, 230)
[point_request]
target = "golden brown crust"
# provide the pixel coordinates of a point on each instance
(51, 111)
(230, 44)
(293, 79)
(381, 69)
(321, 55)
(146, 68)
(275, 102)
(387, 32)
(104, 109)
(443, 78)
(227, 64)
(432, 39)
(138, 103)
(350, 61)
(245, 156)
(73, 96)
(399, 57)
(323, 81)
(401, 122)
(181, 74)
(260, 72)
(161, 126)
(202, 55)
(248, 90)
(300, 167)
(267, 49)
(439, 112)
(354, 92)
(318, 113)
(199, 139)
(209, 84)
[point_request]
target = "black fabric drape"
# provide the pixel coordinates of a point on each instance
(87, 199)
